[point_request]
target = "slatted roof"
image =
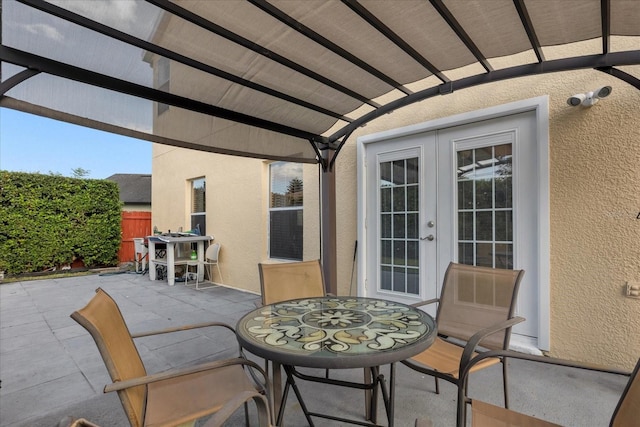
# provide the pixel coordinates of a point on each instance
(285, 79)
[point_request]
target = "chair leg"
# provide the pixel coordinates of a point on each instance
(505, 382)
(461, 416)
(219, 272)
(437, 385)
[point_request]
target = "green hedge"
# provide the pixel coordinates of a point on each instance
(48, 221)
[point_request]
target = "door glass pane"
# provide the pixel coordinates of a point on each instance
(385, 277)
(399, 277)
(412, 254)
(385, 226)
(412, 171)
(485, 206)
(399, 226)
(385, 199)
(412, 225)
(412, 198)
(399, 202)
(465, 225)
(413, 281)
(398, 172)
(399, 257)
(465, 193)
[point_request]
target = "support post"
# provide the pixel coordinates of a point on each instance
(328, 223)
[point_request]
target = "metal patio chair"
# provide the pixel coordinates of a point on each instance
(475, 314)
(291, 280)
(487, 415)
(178, 396)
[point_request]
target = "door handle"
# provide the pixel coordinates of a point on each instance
(430, 237)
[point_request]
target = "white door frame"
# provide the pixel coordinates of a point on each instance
(541, 107)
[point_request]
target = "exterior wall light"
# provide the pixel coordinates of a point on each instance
(589, 98)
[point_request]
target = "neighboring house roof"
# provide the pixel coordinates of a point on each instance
(134, 188)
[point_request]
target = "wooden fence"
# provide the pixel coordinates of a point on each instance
(134, 224)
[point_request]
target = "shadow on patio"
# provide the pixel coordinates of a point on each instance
(50, 367)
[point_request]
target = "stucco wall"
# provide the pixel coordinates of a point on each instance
(237, 207)
(595, 199)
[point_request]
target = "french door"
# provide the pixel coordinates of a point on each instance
(466, 194)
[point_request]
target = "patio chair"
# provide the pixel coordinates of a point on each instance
(290, 280)
(487, 415)
(141, 253)
(284, 281)
(211, 257)
(76, 422)
(475, 314)
(177, 396)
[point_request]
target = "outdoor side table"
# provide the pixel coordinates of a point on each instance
(337, 333)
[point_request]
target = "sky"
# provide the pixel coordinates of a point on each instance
(30, 143)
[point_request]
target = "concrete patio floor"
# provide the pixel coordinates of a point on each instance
(50, 367)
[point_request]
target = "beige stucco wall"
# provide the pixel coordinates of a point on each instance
(594, 201)
(237, 207)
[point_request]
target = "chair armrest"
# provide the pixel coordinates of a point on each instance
(426, 302)
(187, 328)
(542, 359)
(474, 341)
(173, 373)
(264, 415)
(182, 328)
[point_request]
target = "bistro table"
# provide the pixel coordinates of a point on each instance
(337, 333)
(169, 259)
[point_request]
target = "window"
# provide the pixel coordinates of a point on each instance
(199, 205)
(162, 82)
(285, 210)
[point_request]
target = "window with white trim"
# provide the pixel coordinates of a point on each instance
(199, 205)
(285, 211)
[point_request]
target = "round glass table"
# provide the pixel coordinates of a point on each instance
(337, 333)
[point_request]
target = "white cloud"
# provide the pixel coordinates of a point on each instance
(48, 31)
(122, 14)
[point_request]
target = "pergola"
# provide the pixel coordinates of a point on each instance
(288, 79)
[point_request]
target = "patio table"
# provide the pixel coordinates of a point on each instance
(337, 333)
(170, 259)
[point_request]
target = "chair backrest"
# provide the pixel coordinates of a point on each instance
(284, 281)
(102, 318)
(626, 413)
(474, 298)
(212, 252)
(138, 245)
